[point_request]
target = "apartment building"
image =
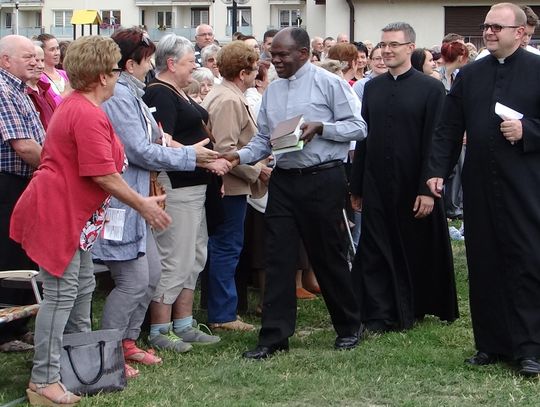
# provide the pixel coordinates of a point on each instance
(361, 19)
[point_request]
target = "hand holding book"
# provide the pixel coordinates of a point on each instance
(310, 130)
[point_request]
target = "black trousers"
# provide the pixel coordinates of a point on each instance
(308, 207)
(12, 256)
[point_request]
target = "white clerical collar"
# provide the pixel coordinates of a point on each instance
(501, 60)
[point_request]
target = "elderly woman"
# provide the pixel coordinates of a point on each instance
(183, 246)
(134, 262)
(58, 78)
(80, 168)
(234, 125)
(205, 77)
(209, 60)
(347, 54)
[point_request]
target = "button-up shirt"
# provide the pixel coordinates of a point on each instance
(319, 96)
(18, 120)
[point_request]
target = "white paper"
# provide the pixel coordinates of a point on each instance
(114, 224)
(506, 113)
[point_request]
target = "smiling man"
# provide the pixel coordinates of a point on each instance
(403, 268)
(306, 192)
(501, 189)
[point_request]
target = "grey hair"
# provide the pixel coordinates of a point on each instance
(410, 35)
(171, 46)
(208, 51)
(203, 74)
(38, 43)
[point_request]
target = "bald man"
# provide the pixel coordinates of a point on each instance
(317, 44)
(20, 150)
(342, 38)
(204, 35)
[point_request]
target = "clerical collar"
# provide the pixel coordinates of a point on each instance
(301, 72)
(403, 75)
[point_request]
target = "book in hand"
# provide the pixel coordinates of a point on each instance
(287, 134)
(299, 146)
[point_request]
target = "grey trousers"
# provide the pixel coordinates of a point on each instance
(65, 308)
(135, 282)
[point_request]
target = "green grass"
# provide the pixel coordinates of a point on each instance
(421, 367)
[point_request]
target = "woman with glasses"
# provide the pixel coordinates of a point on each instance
(58, 78)
(209, 60)
(233, 124)
(133, 261)
(62, 212)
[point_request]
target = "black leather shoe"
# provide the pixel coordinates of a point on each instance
(346, 342)
(529, 367)
(264, 352)
(482, 359)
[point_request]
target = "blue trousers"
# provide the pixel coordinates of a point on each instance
(225, 246)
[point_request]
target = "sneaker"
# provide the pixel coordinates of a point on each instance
(237, 325)
(167, 339)
(194, 335)
(455, 234)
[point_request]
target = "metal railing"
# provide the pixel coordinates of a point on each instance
(28, 32)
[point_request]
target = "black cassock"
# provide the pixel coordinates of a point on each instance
(501, 198)
(403, 269)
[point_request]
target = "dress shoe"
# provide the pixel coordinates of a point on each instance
(529, 367)
(482, 359)
(264, 352)
(346, 342)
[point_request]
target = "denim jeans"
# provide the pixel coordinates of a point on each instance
(225, 246)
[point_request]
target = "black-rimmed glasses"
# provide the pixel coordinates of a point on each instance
(392, 45)
(116, 70)
(496, 28)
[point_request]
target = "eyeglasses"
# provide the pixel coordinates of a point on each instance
(496, 28)
(392, 45)
(116, 71)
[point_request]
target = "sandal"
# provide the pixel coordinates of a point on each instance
(132, 353)
(36, 396)
(131, 372)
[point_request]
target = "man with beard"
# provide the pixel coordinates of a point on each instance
(501, 189)
(403, 269)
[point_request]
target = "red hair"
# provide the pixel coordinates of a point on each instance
(450, 51)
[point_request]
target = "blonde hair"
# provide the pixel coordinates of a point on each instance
(89, 57)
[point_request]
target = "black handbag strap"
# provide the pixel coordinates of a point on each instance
(100, 373)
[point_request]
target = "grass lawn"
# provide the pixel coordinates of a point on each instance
(421, 367)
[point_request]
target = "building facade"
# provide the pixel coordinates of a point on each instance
(361, 19)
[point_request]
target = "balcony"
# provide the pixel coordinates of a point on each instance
(161, 3)
(25, 3)
(246, 30)
(28, 32)
(65, 32)
(157, 34)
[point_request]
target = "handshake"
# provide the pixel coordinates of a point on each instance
(219, 164)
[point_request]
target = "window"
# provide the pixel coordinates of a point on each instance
(164, 19)
(243, 16)
(38, 19)
(288, 18)
(199, 16)
(62, 18)
(110, 17)
(8, 20)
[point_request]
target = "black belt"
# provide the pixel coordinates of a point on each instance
(313, 169)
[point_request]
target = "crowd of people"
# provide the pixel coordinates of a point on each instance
(397, 140)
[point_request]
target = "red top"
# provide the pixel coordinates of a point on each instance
(43, 102)
(51, 213)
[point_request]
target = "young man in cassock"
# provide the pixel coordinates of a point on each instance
(403, 269)
(501, 189)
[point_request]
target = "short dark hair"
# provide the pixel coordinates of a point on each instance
(410, 35)
(300, 37)
(418, 58)
(134, 44)
(269, 34)
(361, 47)
(451, 37)
(532, 17)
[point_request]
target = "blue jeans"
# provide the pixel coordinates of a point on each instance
(224, 247)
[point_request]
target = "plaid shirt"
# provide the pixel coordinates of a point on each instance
(18, 120)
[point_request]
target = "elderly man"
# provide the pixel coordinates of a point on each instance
(342, 38)
(20, 150)
(317, 44)
(501, 189)
(204, 35)
(306, 192)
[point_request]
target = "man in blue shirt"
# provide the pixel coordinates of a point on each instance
(307, 190)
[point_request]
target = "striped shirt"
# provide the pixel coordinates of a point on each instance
(18, 120)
